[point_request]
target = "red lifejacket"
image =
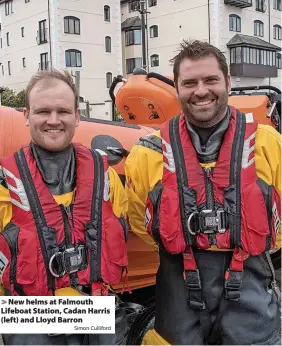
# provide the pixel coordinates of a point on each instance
(48, 246)
(228, 205)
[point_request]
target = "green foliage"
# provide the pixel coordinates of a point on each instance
(11, 99)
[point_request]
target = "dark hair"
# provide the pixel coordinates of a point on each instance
(195, 50)
(49, 75)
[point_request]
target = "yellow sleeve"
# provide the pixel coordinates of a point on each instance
(268, 161)
(143, 169)
(118, 196)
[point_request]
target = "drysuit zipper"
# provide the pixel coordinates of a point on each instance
(210, 205)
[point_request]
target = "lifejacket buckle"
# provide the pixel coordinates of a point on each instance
(207, 221)
(75, 259)
(69, 261)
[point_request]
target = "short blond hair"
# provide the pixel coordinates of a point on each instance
(63, 76)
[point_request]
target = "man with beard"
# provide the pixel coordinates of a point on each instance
(62, 212)
(205, 192)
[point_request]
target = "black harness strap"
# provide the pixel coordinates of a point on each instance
(38, 215)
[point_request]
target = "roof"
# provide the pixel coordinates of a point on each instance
(131, 23)
(242, 40)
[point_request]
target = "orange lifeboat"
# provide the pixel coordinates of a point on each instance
(151, 99)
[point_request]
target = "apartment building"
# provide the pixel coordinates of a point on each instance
(82, 36)
(247, 31)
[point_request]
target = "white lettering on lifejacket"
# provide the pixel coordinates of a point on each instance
(147, 218)
(169, 156)
(19, 190)
(106, 185)
(247, 150)
(3, 263)
(276, 218)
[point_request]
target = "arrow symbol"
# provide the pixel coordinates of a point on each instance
(4, 301)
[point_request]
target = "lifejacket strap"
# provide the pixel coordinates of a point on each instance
(192, 281)
(234, 275)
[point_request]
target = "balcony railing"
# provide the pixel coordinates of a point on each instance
(239, 3)
(44, 65)
(42, 36)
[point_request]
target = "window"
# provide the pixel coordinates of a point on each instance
(258, 28)
(8, 38)
(72, 25)
(42, 32)
(22, 31)
(108, 44)
(133, 63)
(133, 6)
(132, 37)
(43, 61)
(9, 68)
(154, 60)
(8, 7)
(277, 32)
(73, 58)
(154, 32)
(235, 55)
(107, 13)
(277, 5)
(234, 23)
(278, 60)
(24, 65)
(1, 42)
(152, 3)
(252, 56)
(109, 79)
(260, 6)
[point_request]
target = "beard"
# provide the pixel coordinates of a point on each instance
(202, 116)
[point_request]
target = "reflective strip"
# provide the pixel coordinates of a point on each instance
(247, 150)
(249, 118)
(3, 263)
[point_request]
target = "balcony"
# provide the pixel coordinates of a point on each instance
(44, 66)
(42, 36)
(252, 57)
(239, 3)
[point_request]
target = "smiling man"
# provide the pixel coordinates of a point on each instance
(205, 191)
(62, 212)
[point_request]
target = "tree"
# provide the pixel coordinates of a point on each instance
(11, 99)
(20, 99)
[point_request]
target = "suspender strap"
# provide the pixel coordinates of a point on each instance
(234, 275)
(194, 287)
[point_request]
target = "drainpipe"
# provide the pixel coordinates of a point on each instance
(148, 64)
(209, 21)
(269, 79)
(50, 44)
(144, 55)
